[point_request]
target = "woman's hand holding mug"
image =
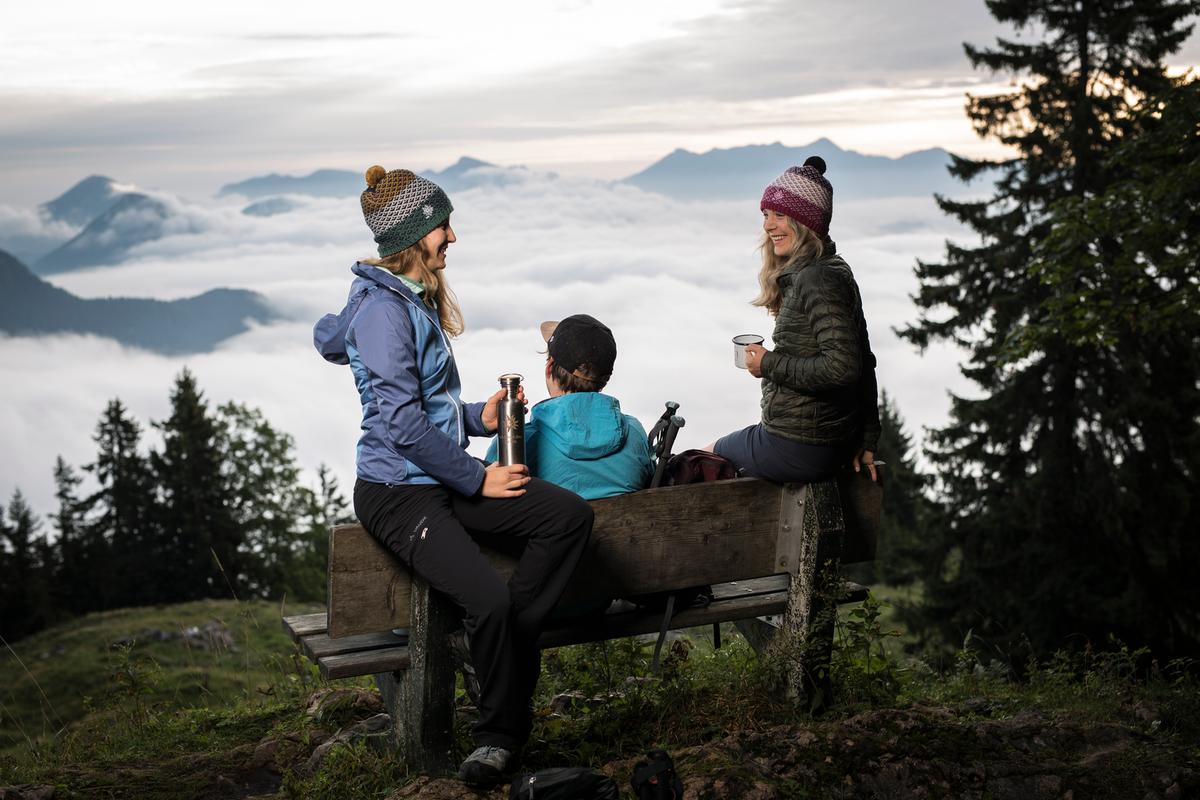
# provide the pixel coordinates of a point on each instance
(754, 357)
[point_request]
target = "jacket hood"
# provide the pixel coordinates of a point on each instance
(582, 425)
(329, 334)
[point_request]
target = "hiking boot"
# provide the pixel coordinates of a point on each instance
(485, 767)
(460, 649)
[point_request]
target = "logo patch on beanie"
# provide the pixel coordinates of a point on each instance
(427, 210)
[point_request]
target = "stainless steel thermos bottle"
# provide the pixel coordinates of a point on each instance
(510, 428)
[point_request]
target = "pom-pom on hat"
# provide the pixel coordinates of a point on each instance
(803, 194)
(400, 207)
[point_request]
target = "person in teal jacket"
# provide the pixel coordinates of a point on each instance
(578, 438)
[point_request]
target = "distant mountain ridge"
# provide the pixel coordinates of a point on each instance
(133, 219)
(345, 183)
(29, 306)
(743, 172)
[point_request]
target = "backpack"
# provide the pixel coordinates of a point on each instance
(654, 778)
(698, 466)
(563, 783)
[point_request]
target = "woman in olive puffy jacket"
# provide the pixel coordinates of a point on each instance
(819, 407)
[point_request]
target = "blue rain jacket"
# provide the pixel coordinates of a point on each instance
(582, 442)
(414, 426)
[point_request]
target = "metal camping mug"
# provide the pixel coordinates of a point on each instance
(739, 347)
(510, 423)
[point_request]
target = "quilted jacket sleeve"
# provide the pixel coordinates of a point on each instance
(828, 303)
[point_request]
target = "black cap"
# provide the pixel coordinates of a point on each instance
(582, 345)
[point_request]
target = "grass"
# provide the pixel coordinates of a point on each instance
(57, 677)
(156, 719)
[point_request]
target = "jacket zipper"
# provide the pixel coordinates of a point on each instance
(457, 407)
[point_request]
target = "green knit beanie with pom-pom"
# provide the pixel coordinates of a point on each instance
(400, 207)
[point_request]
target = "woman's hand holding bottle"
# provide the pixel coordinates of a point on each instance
(501, 481)
(491, 409)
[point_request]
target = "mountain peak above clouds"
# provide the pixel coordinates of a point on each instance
(743, 172)
(85, 201)
(31, 307)
(133, 219)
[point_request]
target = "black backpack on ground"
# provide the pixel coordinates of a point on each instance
(654, 778)
(563, 783)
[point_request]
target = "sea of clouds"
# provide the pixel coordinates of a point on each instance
(672, 279)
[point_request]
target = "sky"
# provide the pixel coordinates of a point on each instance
(180, 99)
(189, 96)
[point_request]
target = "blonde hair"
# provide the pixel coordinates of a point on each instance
(809, 247)
(438, 295)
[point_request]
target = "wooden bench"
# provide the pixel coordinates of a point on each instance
(766, 549)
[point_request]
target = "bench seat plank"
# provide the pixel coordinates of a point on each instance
(369, 662)
(305, 625)
(319, 645)
(348, 657)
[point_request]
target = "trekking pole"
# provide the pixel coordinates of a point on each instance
(674, 423)
(659, 429)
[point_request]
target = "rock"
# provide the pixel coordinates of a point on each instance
(375, 731)
(342, 705)
(264, 755)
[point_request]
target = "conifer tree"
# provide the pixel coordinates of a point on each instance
(122, 549)
(24, 597)
(1053, 529)
(202, 540)
(267, 501)
(72, 580)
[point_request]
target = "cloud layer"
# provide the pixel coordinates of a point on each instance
(672, 280)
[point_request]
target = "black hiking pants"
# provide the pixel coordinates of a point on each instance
(436, 532)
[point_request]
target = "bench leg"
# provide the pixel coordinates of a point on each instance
(806, 636)
(420, 699)
(758, 634)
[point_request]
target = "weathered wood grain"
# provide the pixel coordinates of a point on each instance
(655, 540)
(420, 699)
(806, 635)
(370, 662)
(305, 625)
(318, 645)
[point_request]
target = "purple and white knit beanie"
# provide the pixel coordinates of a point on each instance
(400, 207)
(803, 194)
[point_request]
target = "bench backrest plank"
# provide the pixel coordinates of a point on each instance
(654, 540)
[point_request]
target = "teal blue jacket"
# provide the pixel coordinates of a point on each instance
(582, 442)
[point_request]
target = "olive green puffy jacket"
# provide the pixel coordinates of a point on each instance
(819, 381)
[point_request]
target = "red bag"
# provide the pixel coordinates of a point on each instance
(698, 466)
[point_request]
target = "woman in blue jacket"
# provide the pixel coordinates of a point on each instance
(418, 492)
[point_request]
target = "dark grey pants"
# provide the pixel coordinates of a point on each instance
(436, 533)
(758, 453)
